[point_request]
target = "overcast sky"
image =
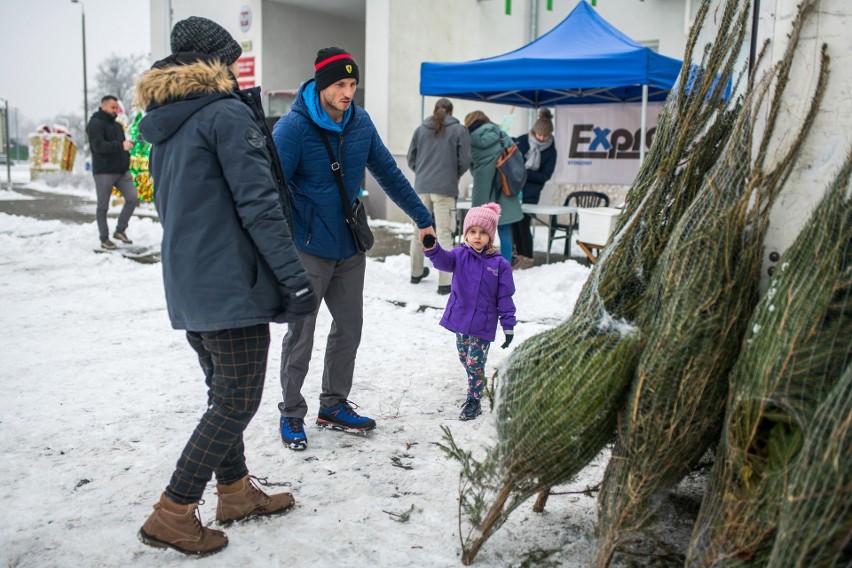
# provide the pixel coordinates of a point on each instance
(41, 52)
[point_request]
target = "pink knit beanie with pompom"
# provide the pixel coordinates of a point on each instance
(484, 216)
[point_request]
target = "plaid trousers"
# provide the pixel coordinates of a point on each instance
(234, 365)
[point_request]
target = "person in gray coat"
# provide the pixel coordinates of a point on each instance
(439, 155)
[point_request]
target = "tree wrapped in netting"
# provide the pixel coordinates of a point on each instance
(798, 346)
(559, 393)
(692, 128)
(815, 527)
(695, 313)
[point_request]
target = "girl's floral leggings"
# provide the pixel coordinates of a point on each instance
(473, 352)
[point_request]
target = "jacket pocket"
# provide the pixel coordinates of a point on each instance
(303, 218)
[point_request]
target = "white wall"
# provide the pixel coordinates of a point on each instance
(160, 28)
(401, 34)
(292, 36)
(226, 13)
(648, 20)
(285, 39)
(830, 139)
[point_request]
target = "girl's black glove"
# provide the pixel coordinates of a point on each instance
(509, 335)
(429, 241)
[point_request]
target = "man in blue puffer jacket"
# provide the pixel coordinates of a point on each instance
(324, 107)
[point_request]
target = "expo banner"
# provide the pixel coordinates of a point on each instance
(599, 144)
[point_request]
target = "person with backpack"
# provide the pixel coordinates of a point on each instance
(487, 142)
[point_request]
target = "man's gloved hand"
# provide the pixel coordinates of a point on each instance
(429, 241)
(509, 335)
(300, 303)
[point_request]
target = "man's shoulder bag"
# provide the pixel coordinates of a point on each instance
(356, 215)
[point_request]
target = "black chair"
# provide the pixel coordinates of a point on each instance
(580, 199)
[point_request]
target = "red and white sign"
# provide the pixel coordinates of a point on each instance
(245, 83)
(246, 66)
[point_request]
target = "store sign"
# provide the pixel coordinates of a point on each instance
(246, 66)
(245, 83)
(600, 143)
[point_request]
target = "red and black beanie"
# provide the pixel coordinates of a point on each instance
(334, 64)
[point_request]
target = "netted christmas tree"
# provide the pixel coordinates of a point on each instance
(815, 522)
(778, 481)
(560, 391)
(695, 312)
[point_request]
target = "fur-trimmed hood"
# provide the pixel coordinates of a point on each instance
(227, 254)
(170, 94)
(164, 84)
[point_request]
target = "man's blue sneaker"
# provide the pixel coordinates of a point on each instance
(342, 417)
(293, 433)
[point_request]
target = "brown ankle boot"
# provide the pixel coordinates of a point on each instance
(244, 498)
(179, 526)
(523, 262)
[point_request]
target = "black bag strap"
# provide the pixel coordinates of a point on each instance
(338, 176)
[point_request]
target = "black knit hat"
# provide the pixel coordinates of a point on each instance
(334, 64)
(205, 36)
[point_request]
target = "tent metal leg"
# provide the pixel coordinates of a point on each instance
(644, 124)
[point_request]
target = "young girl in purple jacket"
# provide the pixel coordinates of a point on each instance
(481, 293)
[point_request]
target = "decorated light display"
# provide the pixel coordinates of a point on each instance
(139, 162)
(51, 150)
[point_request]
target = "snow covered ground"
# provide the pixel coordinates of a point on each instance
(17, 172)
(99, 395)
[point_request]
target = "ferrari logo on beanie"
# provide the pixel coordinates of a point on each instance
(333, 64)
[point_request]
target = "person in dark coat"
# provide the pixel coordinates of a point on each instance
(539, 151)
(111, 168)
(229, 268)
(324, 109)
(481, 294)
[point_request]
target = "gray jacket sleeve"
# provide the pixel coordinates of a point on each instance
(412, 151)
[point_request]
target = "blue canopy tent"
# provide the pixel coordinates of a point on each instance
(583, 60)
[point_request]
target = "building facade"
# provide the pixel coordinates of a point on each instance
(391, 38)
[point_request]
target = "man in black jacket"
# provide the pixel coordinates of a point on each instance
(111, 168)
